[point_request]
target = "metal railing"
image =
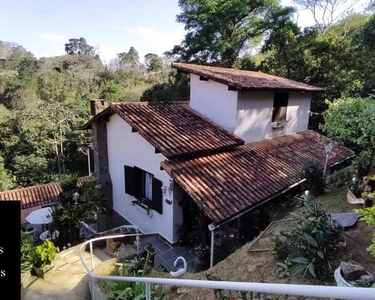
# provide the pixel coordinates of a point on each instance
(331, 292)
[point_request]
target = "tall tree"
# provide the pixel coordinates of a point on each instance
(128, 59)
(79, 47)
(153, 63)
(326, 12)
(221, 30)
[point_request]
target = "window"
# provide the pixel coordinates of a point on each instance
(280, 104)
(144, 187)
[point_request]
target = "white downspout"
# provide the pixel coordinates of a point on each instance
(211, 227)
(89, 160)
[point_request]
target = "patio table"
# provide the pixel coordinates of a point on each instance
(45, 235)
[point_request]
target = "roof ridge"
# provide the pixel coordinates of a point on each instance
(245, 79)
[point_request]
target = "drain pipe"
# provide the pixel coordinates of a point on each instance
(211, 228)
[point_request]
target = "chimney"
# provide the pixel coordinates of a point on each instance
(97, 106)
(100, 150)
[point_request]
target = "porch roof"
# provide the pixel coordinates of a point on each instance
(226, 184)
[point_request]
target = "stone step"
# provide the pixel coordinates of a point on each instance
(77, 283)
(42, 289)
(101, 255)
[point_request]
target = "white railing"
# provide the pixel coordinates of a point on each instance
(331, 292)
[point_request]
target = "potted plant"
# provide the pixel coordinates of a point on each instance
(43, 257)
(201, 262)
(352, 275)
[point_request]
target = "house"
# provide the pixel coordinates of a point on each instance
(36, 197)
(239, 142)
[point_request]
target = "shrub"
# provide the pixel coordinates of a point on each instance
(68, 182)
(27, 245)
(131, 290)
(340, 178)
(312, 172)
(44, 254)
(312, 243)
(368, 216)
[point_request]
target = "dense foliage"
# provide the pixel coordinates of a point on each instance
(44, 105)
(219, 31)
(27, 249)
(311, 244)
(351, 121)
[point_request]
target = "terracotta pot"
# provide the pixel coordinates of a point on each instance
(41, 271)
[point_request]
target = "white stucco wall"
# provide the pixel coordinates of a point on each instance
(213, 100)
(131, 149)
(254, 115)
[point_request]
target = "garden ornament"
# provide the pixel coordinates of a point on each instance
(180, 271)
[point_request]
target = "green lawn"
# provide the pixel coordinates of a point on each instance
(336, 201)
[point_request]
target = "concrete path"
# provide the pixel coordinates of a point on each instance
(67, 280)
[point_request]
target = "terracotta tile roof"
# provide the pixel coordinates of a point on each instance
(37, 195)
(174, 129)
(225, 184)
(247, 80)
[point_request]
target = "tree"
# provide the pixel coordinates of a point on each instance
(111, 91)
(368, 38)
(6, 49)
(326, 12)
(79, 47)
(351, 121)
(154, 63)
(6, 182)
(219, 31)
(176, 89)
(128, 59)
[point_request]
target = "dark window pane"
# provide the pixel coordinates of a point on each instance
(129, 180)
(157, 195)
(280, 104)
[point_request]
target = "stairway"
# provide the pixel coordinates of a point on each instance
(67, 280)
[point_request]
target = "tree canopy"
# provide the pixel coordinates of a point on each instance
(220, 31)
(44, 104)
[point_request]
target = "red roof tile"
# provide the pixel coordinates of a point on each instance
(247, 80)
(228, 183)
(36, 195)
(174, 129)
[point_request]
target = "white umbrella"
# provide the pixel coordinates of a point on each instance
(40, 216)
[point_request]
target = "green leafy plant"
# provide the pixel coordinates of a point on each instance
(44, 254)
(68, 182)
(311, 244)
(368, 216)
(340, 178)
(312, 172)
(284, 268)
(27, 248)
(123, 290)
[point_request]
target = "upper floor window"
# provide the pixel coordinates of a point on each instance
(280, 104)
(144, 186)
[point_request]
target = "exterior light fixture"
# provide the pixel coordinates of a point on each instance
(75, 198)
